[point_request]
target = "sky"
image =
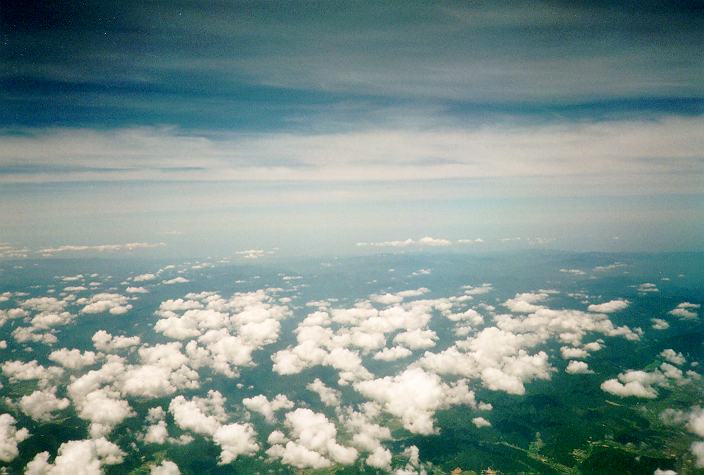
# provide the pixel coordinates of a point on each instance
(346, 127)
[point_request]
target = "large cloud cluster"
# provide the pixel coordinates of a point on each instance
(222, 333)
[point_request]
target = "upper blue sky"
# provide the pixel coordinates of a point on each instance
(392, 103)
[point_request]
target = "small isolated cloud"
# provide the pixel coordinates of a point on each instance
(659, 324)
(127, 247)
(647, 287)
(609, 267)
(685, 310)
(166, 467)
(175, 280)
(143, 277)
(609, 307)
(253, 253)
(480, 422)
(578, 367)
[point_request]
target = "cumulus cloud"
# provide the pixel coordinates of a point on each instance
(10, 437)
(90, 455)
(313, 442)
(115, 304)
(267, 408)
(480, 422)
(414, 396)
(73, 359)
(328, 396)
(175, 280)
(685, 310)
(578, 367)
(609, 307)
(104, 341)
(41, 404)
(673, 357)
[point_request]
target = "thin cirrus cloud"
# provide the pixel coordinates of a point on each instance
(620, 152)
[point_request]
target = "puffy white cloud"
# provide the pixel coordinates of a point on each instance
(175, 280)
(136, 290)
(685, 310)
(104, 409)
(609, 307)
(314, 442)
(417, 339)
(143, 277)
(41, 404)
(200, 415)
(104, 341)
(235, 440)
(26, 371)
(88, 456)
(414, 396)
(577, 367)
(480, 422)
(672, 356)
(329, 396)
(641, 384)
(73, 359)
(380, 458)
(10, 436)
(166, 467)
(115, 304)
(659, 471)
(393, 354)
(526, 302)
(265, 407)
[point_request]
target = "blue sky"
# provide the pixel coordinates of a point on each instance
(316, 125)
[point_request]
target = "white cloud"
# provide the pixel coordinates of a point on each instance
(414, 396)
(73, 359)
(175, 280)
(200, 415)
(672, 356)
(609, 307)
(659, 324)
(480, 422)
(127, 247)
(685, 310)
(235, 440)
(90, 455)
(136, 290)
(328, 396)
(426, 241)
(578, 367)
(393, 353)
(265, 407)
(104, 341)
(41, 404)
(314, 442)
(115, 304)
(10, 436)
